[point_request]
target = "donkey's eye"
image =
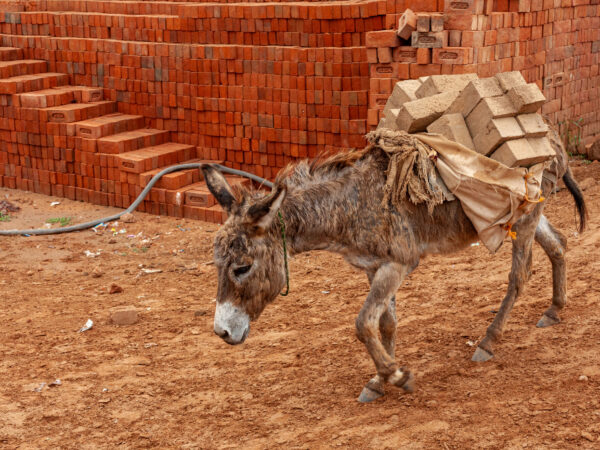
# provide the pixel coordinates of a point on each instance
(238, 271)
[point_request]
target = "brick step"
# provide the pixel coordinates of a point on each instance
(10, 69)
(175, 180)
(149, 158)
(77, 112)
(200, 196)
(35, 82)
(132, 140)
(10, 53)
(200, 204)
(57, 96)
(198, 192)
(107, 125)
(214, 214)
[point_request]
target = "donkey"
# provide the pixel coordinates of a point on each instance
(335, 205)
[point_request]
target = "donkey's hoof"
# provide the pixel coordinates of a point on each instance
(404, 379)
(481, 355)
(372, 390)
(409, 384)
(547, 321)
(369, 395)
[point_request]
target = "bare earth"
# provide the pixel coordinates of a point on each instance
(169, 382)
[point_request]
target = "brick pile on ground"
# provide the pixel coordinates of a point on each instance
(496, 116)
(252, 84)
(68, 141)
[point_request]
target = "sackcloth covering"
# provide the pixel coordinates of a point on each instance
(423, 167)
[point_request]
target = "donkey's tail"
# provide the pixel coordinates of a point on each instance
(575, 191)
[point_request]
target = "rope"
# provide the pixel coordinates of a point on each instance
(285, 259)
(527, 176)
(510, 232)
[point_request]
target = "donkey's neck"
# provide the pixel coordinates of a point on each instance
(316, 213)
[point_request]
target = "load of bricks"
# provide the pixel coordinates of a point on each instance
(496, 116)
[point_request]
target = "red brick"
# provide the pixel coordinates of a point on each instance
(384, 38)
(423, 55)
(463, 6)
(384, 54)
(407, 24)
(453, 55)
(405, 54)
(423, 22)
(430, 40)
(459, 22)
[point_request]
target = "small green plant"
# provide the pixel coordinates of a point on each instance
(63, 221)
(570, 133)
(4, 217)
(580, 157)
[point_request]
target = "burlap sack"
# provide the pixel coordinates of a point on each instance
(492, 195)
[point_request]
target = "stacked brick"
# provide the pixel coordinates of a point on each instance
(553, 44)
(257, 85)
(497, 116)
(251, 85)
(68, 141)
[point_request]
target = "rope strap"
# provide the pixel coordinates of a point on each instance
(285, 259)
(526, 200)
(511, 233)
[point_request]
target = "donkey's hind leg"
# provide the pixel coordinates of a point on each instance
(521, 252)
(555, 246)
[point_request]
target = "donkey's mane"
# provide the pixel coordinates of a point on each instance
(313, 174)
(321, 168)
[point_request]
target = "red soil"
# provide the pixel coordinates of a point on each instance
(168, 381)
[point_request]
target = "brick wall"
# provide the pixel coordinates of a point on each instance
(253, 85)
(258, 85)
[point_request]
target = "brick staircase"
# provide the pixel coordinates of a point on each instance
(68, 141)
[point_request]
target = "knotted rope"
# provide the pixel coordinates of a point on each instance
(411, 171)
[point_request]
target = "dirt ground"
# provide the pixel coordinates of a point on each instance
(169, 382)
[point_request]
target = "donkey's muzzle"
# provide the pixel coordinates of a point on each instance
(232, 324)
(227, 337)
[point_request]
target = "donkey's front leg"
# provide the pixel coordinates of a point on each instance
(384, 284)
(375, 388)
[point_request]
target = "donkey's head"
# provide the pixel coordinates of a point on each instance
(248, 254)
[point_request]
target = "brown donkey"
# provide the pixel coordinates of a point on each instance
(336, 205)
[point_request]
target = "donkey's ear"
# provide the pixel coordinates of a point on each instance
(218, 186)
(262, 213)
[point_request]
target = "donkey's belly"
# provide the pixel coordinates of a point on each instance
(446, 230)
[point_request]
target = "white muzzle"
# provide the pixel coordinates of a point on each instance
(232, 324)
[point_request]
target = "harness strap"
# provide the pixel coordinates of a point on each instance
(285, 259)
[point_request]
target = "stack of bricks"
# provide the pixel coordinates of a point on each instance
(68, 141)
(553, 44)
(252, 86)
(258, 85)
(497, 116)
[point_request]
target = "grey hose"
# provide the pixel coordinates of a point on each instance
(135, 204)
